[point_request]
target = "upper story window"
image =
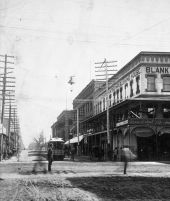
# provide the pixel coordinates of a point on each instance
(95, 107)
(110, 98)
(100, 107)
(151, 83)
(81, 111)
(137, 85)
(104, 105)
(120, 93)
(117, 95)
(166, 83)
(131, 88)
(88, 107)
(126, 87)
(114, 97)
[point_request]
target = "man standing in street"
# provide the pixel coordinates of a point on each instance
(50, 157)
(72, 153)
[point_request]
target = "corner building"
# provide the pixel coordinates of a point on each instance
(139, 108)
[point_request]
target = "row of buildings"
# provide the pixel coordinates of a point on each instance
(137, 102)
(10, 138)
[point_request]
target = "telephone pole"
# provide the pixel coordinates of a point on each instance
(7, 97)
(105, 70)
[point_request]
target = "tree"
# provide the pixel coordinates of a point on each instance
(38, 143)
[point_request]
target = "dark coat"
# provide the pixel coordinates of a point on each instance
(50, 154)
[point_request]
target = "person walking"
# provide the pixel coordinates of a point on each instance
(127, 155)
(50, 157)
(115, 154)
(125, 158)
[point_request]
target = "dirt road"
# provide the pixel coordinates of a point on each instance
(84, 181)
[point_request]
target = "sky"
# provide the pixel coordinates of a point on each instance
(52, 40)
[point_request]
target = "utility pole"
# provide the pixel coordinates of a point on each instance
(9, 125)
(78, 130)
(5, 97)
(4, 83)
(105, 70)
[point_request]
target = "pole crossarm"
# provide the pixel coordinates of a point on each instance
(105, 62)
(106, 71)
(6, 56)
(7, 68)
(7, 62)
(8, 81)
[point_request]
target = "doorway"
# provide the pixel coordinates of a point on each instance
(146, 148)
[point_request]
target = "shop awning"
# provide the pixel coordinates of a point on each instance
(165, 130)
(143, 132)
(75, 139)
(56, 140)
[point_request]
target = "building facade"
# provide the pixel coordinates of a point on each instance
(9, 139)
(61, 128)
(139, 108)
(83, 105)
(138, 104)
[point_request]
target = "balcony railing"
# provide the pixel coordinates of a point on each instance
(135, 121)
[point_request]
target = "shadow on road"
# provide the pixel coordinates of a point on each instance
(164, 162)
(24, 172)
(124, 187)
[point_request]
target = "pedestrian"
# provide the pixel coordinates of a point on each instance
(124, 158)
(127, 155)
(72, 153)
(110, 153)
(115, 154)
(50, 157)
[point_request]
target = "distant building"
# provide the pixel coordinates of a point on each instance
(83, 105)
(9, 139)
(61, 128)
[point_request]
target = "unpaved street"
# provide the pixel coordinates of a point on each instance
(83, 180)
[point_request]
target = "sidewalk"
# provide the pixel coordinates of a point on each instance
(14, 159)
(82, 158)
(10, 160)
